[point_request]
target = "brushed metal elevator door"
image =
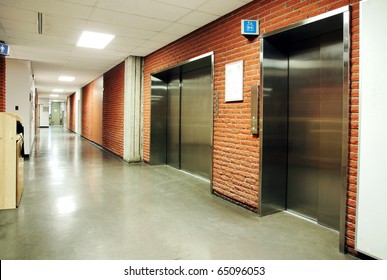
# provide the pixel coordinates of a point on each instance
(196, 122)
(315, 128)
(304, 127)
(173, 122)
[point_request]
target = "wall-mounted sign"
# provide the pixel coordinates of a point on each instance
(250, 27)
(234, 81)
(4, 49)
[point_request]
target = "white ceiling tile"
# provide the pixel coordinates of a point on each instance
(132, 21)
(142, 51)
(220, 7)
(154, 44)
(43, 40)
(18, 26)
(68, 9)
(95, 55)
(24, 4)
(123, 48)
(145, 8)
(179, 29)
(165, 38)
(43, 51)
(64, 35)
(90, 3)
(128, 42)
(191, 4)
(17, 14)
(51, 7)
(55, 21)
(119, 30)
(197, 19)
(42, 58)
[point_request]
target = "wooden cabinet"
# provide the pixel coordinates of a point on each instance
(11, 162)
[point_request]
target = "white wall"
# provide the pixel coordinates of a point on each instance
(44, 118)
(20, 92)
(32, 111)
(371, 223)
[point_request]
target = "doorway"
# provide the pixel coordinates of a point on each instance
(56, 114)
(181, 117)
(304, 121)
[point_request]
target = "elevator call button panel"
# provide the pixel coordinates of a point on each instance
(254, 109)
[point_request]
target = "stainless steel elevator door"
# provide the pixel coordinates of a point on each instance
(331, 127)
(158, 144)
(196, 122)
(304, 127)
(315, 128)
(173, 122)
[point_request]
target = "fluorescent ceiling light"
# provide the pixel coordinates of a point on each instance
(66, 78)
(58, 90)
(54, 95)
(94, 40)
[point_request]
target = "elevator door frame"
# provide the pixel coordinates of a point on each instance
(273, 167)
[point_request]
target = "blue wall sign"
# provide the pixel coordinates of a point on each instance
(249, 27)
(4, 49)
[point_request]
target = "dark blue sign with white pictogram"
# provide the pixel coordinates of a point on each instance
(250, 27)
(4, 49)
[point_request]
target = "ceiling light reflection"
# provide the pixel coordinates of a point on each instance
(65, 205)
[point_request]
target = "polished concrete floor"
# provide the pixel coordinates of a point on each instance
(80, 202)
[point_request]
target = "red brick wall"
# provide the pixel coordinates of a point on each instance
(236, 151)
(72, 113)
(87, 110)
(68, 104)
(2, 83)
(353, 128)
(92, 96)
(97, 111)
(113, 110)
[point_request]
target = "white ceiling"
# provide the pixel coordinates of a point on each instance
(140, 26)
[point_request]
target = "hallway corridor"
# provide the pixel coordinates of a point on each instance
(80, 202)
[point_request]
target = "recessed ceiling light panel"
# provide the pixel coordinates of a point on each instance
(58, 90)
(54, 95)
(94, 40)
(66, 78)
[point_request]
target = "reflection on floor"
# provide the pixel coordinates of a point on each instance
(80, 202)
